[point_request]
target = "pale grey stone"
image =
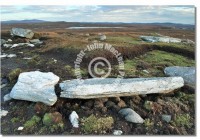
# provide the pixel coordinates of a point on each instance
(3, 41)
(22, 32)
(102, 37)
(166, 118)
(112, 87)
(187, 73)
(7, 97)
(3, 113)
(117, 132)
(35, 41)
(131, 116)
(160, 39)
(36, 86)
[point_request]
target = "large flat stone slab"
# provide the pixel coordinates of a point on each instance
(36, 86)
(98, 87)
(187, 73)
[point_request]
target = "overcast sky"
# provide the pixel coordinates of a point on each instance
(141, 14)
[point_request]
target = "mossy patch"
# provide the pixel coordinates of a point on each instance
(94, 124)
(51, 119)
(32, 122)
(15, 119)
(13, 75)
(182, 120)
(148, 123)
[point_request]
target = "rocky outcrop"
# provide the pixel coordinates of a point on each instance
(187, 73)
(36, 86)
(20, 32)
(98, 87)
(160, 39)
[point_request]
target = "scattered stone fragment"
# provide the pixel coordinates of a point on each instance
(36, 86)
(102, 37)
(3, 113)
(117, 132)
(187, 73)
(3, 85)
(125, 87)
(74, 119)
(7, 97)
(20, 32)
(9, 40)
(8, 55)
(146, 71)
(131, 116)
(20, 128)
(50, 119)
(7, 45)
(166, 118)
(35, 41)
(3, 41)
(27, 58)
(121, 104)
(14, 45)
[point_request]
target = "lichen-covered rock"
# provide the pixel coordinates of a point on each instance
(36, 86)
(22, 32)
(125, 87)
(187, 73)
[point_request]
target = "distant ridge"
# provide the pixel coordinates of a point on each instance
(23, 21)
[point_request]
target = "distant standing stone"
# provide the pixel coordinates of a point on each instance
(36, 86)
(102, 37)
(131, 116)
(22, 32)
(187, 73)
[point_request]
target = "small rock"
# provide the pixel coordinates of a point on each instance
(98, 104)
(35, 41)
(117, 132)
(102, 37)
(131, 116)
(7, 97)
(3, 85)
(3, 113)
(27, 58)
(89, 104)
(52, 119)
(110, 104)
(115, 99)
(166, 118)
(20, 128)
(3, 41)
(31, 45)
(146, 71)
(74, 119)
(14, 45)
(103, 109)
(11, 55)
(7, 45)
(121, 104)
(9, 40)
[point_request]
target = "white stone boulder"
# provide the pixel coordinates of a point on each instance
(187, 73)
(22, 32)
(110, 87)
(36, 86)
